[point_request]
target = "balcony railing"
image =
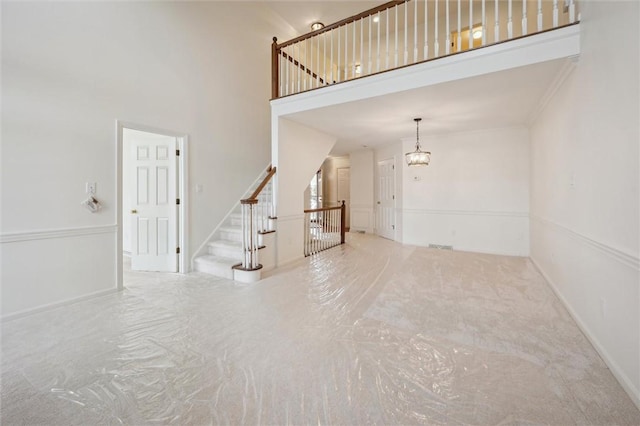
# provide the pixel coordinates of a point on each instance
(406, 32)
(324, 228)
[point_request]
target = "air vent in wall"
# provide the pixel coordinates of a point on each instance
(440, 247)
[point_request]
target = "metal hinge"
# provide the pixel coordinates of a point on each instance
(178, 152)
(393, 227)
(393, 197)
(177, 200)
(177, 250)
(393, 167)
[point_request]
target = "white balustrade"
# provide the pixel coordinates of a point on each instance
(323, 229)
(335, 55)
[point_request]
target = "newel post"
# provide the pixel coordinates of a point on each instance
(343, 225)
(275, 77)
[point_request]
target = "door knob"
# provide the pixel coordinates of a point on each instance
(134, 211)
(378, 202)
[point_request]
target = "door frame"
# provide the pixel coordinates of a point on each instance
(182, 193)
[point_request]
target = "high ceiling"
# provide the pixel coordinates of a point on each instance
(502, 99)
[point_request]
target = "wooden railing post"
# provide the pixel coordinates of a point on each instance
(275, 71)
(343, 225)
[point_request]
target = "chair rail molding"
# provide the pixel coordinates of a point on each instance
(628, 259)
(44, 234)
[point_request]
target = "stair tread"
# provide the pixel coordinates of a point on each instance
(218, 260)
(226, 243)
(231, 228)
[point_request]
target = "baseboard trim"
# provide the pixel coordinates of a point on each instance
(55, 305)
(621, 256)
(45, 234)
(626, 384)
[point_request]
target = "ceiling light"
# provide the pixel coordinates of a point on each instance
(477, 33)
(418, 157)
(317, 26)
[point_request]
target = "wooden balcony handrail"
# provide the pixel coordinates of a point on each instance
(345, 21)
(322, 209)
(253, 198)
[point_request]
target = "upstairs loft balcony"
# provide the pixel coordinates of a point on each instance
(405, 33)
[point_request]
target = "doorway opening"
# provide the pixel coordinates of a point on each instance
(152, 199)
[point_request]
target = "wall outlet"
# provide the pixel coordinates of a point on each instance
(90, 187)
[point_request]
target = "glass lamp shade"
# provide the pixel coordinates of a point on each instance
(418, 157)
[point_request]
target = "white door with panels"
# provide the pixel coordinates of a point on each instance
(386, 204)
(154, 207)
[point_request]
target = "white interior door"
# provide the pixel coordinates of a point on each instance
(154, 207)
(344, 191)
(386, 211)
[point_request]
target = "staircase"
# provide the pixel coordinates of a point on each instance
(223, 255)
(224, 252)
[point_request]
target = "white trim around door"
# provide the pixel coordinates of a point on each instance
(182, 191)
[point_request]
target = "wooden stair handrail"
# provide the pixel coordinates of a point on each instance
(253, 198)
(322, 209)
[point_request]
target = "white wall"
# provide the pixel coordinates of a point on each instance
(362, 191)
(585, 188)
(299, 153)
(69, 71)
(474, 195)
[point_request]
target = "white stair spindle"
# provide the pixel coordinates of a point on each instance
(406, 31)
(353, 55)
(496, 31)
(324, 58)
(459, 38)
(426, 30)
(510, 20)
(361, 46)
(396, 56)
(436, 45)
(447, 48)
(346, 52)
(369, 57)
(317, 69)
(386, 29)
(525, 23)
(378, 53)
(555, 13)
(304, 71)
(339, 54)
(281, 73)
(572, 11)
(287, 72)
(415, 31)
(470, 24)
(331, 76)
(297, 58)
(539, 15)
(484, 23)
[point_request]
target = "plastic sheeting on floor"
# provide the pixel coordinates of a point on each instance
(369, 333)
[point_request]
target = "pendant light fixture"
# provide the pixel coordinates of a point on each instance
(418, 157)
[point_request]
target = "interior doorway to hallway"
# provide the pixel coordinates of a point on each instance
(152, 194)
